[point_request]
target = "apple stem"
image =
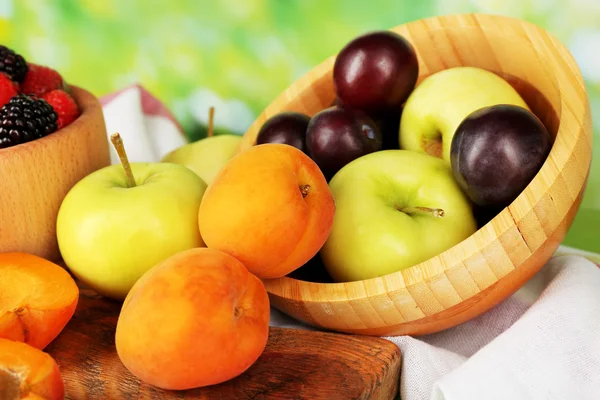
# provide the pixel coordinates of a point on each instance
(436, 212)
(304, 189)
(433, 147)
(120, 148)
(211, 116)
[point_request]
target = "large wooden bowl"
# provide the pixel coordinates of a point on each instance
(36, 176)
(484, 269)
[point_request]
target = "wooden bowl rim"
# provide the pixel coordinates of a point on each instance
(298, 290)
(89, 106)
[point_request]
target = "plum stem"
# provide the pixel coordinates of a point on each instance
(304, 189)
(435, 212)
(117, 142)
(211, 117)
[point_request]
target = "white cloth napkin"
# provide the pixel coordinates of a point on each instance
(149, 131)
(542, 343)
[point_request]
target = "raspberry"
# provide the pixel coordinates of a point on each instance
(25, 119)
(41, 80)
(64, 105)
(8, 89)
(12, 64)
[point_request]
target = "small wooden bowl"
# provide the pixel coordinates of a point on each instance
(37, 175)
(499, 258)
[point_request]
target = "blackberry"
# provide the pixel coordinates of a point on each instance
(24, 119)
(13, 64)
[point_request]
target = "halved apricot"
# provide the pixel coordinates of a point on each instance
(37, 299)
(28, 373)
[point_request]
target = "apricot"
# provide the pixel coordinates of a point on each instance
(28, 373)
(37, 299)
(196, 319)
(270, 207)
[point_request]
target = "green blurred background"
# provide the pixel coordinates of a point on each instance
(240, 54)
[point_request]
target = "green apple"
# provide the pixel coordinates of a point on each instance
(110, 232)
(441, 101)
(394, 209)
(206, 157)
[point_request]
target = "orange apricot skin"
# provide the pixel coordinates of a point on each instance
(197, 319)
(35, 323)
(270, 207)
(41, 379)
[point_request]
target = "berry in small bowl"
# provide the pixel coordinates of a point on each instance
(52, 134)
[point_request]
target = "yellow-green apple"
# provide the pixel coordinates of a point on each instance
(206, 157)
(394, 209)
(441, 101)
(117, 223)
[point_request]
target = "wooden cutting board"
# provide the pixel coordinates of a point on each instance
(296, 364)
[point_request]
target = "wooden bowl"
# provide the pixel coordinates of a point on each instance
(499, 258)
(37, 175)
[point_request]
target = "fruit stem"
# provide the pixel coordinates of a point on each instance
(117, 142)
(211, 116)
(434, 147)
(304, 189)
(20, 311)
(436, 212)
(237, 313)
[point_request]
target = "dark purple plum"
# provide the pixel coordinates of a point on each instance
(388, 122)
(338, 135)
(287, 127)
(389, 126)
(495, 153)
(375, 71)
(483, 215)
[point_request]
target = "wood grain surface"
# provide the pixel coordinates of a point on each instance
(296, 364)
(36, 176)
(486, 268)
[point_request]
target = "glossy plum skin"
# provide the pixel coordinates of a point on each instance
(375, 71)
(389, 125)
(287, 127)
(388, 122)
(338, 135)
(496, 152)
